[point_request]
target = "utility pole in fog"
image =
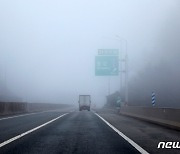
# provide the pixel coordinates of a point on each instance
(126, 77)
(126, 69)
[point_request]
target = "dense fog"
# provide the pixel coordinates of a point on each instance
(48, 49)
(161, 73)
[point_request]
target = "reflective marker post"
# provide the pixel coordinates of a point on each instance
(153, 99)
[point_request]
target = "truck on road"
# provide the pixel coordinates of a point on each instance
(84, 102)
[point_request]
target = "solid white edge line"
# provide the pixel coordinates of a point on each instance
(22, 115)
(141, 150)
(30, 131)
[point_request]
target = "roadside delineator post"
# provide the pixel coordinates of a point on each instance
(153, 99)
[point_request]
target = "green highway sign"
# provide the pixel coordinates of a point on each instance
(106, 65)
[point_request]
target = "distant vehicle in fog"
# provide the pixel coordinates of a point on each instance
(84, 102)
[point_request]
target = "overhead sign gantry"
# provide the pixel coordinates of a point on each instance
(107, 62)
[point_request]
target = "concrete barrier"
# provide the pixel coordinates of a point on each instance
(164, 116)
(8, 108)
(36, 107)
(12, 107)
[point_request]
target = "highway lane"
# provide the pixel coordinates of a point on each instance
(77, 132)
(15, 125)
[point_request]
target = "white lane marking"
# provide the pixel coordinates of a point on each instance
(30, 131)
(22, 115)
(141, 150)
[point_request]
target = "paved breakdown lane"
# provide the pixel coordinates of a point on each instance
(77, 132)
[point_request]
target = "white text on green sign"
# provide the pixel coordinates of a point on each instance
(108, 52)
(106, 65)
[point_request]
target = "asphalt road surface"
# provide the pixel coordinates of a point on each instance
(145, 134)
(79, 132)
(76, 132)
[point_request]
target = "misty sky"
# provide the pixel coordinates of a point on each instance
(47, 47)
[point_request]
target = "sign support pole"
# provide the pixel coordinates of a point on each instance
(126, 78)
(109, 85)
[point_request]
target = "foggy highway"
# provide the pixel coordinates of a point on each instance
(78, 132)
(116, 59)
